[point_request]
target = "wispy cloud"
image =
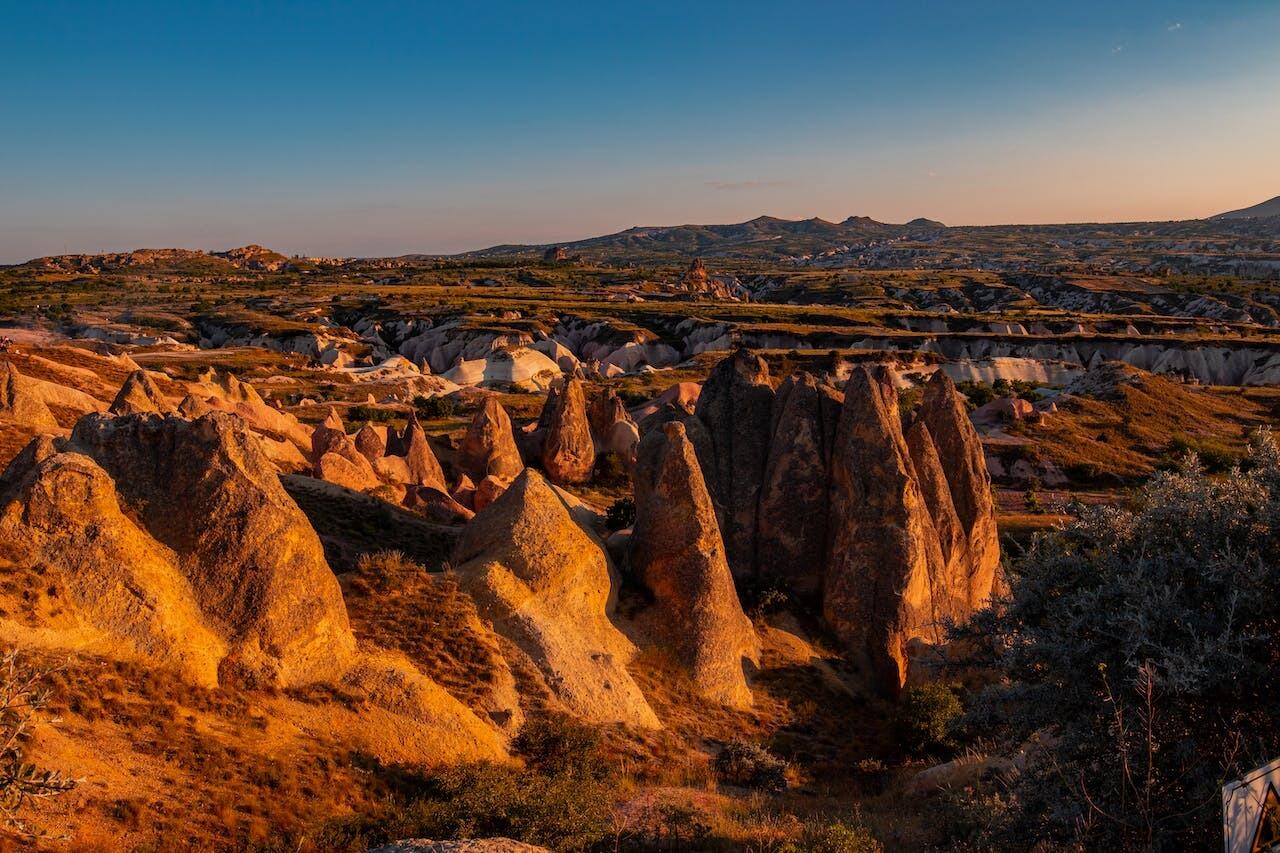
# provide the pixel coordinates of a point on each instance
(737, 186)
(1174, 27)
(1118, 49)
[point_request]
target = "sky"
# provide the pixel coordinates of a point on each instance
(376, 128)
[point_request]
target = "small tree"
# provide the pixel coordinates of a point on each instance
(22, 698)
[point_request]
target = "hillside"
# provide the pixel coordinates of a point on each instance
(1258, 211)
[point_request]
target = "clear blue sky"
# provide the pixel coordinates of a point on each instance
(379, 128)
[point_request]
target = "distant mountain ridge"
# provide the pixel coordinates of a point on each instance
(863, 241)
(1267, 208)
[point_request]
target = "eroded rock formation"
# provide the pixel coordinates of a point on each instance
(19, 404)
(678, 554)
(568, 452)
(736, 405)
(545, 583)
(489, 448)
(793, 509)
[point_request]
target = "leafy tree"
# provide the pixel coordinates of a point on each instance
(1141, 662)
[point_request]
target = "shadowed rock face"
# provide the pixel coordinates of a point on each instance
(336, 459)
(545, 584)
(420, 460)
(736, 405)
(568, 453)
(792, 518)
(963, 462)
(19, 405)
(884, 551)
(371, 445)
(679, 555)
(140, 395)
(951, 588)
(489, 448)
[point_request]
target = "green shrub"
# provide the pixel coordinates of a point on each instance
(821, 836)
(1140, 653)
(621, 514)
(429, 408)
(372, 414)
(751, 765)
(927, 716)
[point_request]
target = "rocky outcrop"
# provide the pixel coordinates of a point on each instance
(19, 404)
(884, 554)
(951, 588)
(793, 510)
(336, 459)
(370, 443)
(545, 583)
(489, 448)
(678, 554)
(568, 452)
(420, 460)
(964, 464)
(736, 405)
(140, 395)
(612, 429)
(173, 540)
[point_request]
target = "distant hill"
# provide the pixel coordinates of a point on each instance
(1258, 211)
(860, 241)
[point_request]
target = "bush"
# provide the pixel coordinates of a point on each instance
(835, 837)
(1141, 650)
(621, 514)
(429, 408)
(371, 414)
(22, 698)
(927, 718)
(751, 765)
(558, 744)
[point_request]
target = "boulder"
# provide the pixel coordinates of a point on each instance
(370, 443)
(19, 404)
(604, 413)
(193, 407)
(488, 490)
(792, 518)
(140, 395)
(545, 583)
(465, 492)
(337, 468)
(489, 448)
(884, 551)
(677, 552)
(736, 405)
(963, 463)
(568, 452)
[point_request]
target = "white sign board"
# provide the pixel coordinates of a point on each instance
(1251, 812)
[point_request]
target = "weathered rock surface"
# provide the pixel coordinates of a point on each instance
(19, 404)
(140, 395)
(336, 459)
(953, 588)
(370, 443)
(736, 405)
(545, 583)
(963, 462)
(568, 452)
(793, 509)
(420, 460)
(884, 551)
(174, 540)
(678, 554)
(489, 448)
